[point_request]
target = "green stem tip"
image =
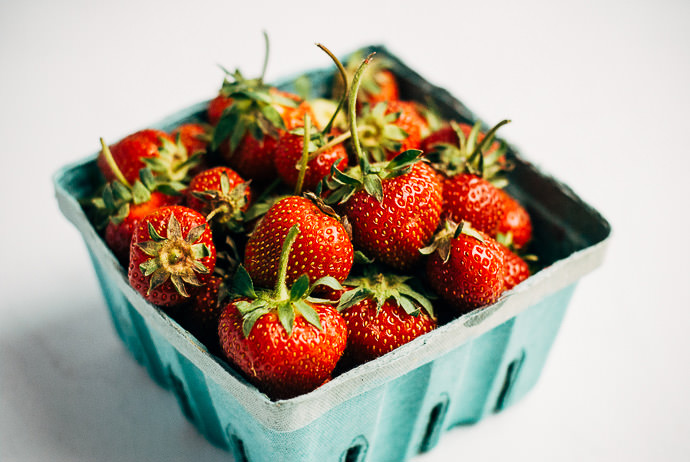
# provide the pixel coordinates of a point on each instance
(281, 290)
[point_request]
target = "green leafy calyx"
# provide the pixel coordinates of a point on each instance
(443, 239)
(381, 287)
(174, 256)
(472, 156)
(286, 303)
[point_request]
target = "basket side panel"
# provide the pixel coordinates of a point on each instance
(533, 334)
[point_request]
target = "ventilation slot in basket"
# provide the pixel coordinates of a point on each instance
(237, 447)
(511, 377)
(435, 425)
(356, 452)
(181, 394)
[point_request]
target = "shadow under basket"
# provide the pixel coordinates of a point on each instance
(400, 404)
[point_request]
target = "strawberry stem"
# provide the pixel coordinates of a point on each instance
(305, 155)
(281, 291)
(266, 52)
(105, 150)
(337, 140)
(352, 106)
(343, 98)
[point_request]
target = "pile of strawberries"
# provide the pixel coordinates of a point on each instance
(298, 238)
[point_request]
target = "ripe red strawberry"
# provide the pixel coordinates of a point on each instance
(193, 136)
(394, 207)
(382, 313)
(152, 149)
(119, 207)
(516, 224)
(252, 155)
(248, 117)
(393, 227)
(129, 152)
(221, 195)
(118, 231)
(172, 248)
(466, 267)
(284, 343)
(471, 182)
(323, 247)
(515, 268)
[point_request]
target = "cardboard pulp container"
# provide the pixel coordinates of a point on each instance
(400, 404)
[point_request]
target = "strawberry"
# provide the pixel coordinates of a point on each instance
(221, 195)
(249, 116)
(468, 193)
(171, 248)
(382, 313)
(465, 267)
(250, 147)
(150, 148)
(119, 230)
(397, 216)
(120, 206)
(129, 152)
(193, 136)
(283, 341)
(394, 207)
(323, 247)
(516, 224)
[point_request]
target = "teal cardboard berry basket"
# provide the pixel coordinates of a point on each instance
(400, 404)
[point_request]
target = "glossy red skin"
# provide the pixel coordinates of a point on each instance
(322, 247)
(471, 198)
(411, 122)
(516, 220)
(393, 231)
(190, 137)
(166, 294)
(515, 268)
(289, 152)
(209, 180)
(371, 334)
(284, 367)
(128, 152)
(118, 236)
(472, 277)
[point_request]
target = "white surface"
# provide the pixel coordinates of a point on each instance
(598, 94)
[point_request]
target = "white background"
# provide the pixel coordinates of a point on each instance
(598, 92)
